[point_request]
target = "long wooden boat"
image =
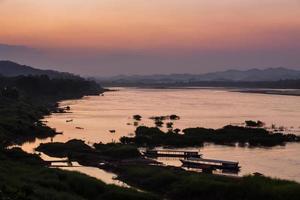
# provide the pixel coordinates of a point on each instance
(171, 153)
(202, 163)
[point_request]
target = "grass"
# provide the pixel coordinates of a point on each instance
(176, 184)
(21, 180)
(23, 103)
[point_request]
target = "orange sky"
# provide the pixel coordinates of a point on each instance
(145, 24)
(151, 36)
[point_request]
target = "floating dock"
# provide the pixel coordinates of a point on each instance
(171, 153)
(212, 164)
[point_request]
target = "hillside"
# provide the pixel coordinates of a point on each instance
(11, 69)
(252, 75)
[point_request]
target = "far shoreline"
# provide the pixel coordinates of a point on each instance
(285, 92)
(267, 91)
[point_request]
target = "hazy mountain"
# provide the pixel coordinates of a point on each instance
(271, 74)
(8, 68)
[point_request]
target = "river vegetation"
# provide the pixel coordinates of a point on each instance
(79, 151)
(137, 117)
(168, 182)
(177, 184)
(24, 101)
(251, 123)
(160, 120)
(228, 135)
(24, 177)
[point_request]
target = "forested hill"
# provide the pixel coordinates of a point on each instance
(43, 86)
(24, 100)
(10, 69)
(251, 75)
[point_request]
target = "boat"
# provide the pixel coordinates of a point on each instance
(202, 163)
(171, 153)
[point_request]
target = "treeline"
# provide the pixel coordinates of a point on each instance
(24, 100)
(228, 135)
(282, 84)
(43, 86)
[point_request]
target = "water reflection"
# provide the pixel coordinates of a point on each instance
(99, 115)
(279, 162)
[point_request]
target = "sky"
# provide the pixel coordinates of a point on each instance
(111, 37)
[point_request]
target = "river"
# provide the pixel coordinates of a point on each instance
(197, 107)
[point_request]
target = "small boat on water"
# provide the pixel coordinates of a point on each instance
(202, 163)
(80, 128)
(69, 120)
(112, 131)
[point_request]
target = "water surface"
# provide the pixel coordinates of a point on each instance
(211, 108)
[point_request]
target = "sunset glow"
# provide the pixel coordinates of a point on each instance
(149, 24)
(168, 26)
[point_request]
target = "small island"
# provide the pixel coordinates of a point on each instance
(228, 135)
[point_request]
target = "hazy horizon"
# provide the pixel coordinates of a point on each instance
(106, 38)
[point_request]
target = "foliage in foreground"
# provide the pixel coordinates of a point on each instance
(29, 180)
(178, 184)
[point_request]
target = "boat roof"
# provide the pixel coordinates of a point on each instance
(213, 160)
(170, 150)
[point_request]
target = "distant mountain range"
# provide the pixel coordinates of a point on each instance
(10, 69)
(252, 75)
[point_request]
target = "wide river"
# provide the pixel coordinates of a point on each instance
(212, 108)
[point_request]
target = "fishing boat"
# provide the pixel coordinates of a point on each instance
(202, 163)
(171, 153)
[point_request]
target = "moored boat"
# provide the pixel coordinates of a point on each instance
(202, 163)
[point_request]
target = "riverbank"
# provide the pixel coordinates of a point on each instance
(196, 108)
(23, 176)
(125, 169)
(288, 92)
(169, 182)
(24, 101)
